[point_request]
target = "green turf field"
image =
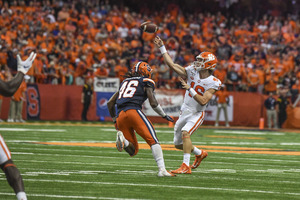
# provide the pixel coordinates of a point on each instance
(269, 168)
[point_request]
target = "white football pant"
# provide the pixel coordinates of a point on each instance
(4, 151)
(188, 121)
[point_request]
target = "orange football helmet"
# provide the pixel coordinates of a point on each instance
(143, 69)
(205, 60)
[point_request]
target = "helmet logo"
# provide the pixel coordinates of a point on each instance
(148, 68)
(210, 56)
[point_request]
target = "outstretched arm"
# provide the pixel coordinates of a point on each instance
(10, 87)
(168, 60)
(154, 104)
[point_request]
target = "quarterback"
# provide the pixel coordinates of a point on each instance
(12, 173)
(200, 87)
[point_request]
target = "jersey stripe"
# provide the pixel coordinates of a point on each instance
(150, 80)
(149, 125)
(197, 124)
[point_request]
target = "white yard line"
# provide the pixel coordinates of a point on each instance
(244, 143)
(249, 132)
(165, 186)
(67, 197)
(30, 129)
(163, 142)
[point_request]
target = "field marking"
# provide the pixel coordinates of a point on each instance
(123, 171)
(245, 143)
(241, 150)
(68, 197)
(259, 143)
(249, 132)
(235, 137)
(140, 158)
(140, 153)
(167, 142)
(157, 131)
(165, 186)
(289, 144)
(30, 129)
(148, 159)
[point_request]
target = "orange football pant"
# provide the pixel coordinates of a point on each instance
(135, 120)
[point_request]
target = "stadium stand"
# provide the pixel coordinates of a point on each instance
(257, 43)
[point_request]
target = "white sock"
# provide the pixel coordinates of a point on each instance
(158, 156)
(21, 196)
(196, 151)
(186, 158)
(126, 142)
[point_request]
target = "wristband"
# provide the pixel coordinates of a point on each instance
(159, 111)
(192, 92)
(163, 49)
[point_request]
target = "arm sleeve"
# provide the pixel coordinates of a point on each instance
(216, 84)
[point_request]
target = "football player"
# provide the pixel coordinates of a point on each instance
(134, 90)
(12, 173)
(200, 87)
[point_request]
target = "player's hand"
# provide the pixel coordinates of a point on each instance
(24, 66)
(184, 84)
(158, 42)
(170, 119)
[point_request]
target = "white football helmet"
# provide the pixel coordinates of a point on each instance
(205, 60)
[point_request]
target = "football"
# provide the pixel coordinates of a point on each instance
(149, 27)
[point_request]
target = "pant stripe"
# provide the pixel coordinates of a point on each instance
(149, 125)
(197, 124)
(4, 147)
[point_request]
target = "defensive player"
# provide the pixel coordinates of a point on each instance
(200, 87)
(134, 90)
(12, 173)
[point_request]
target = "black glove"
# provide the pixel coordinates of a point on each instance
(167, 117)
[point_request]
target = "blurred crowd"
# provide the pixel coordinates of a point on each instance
(76, 40)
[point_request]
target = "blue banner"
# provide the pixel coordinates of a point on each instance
(33, 102)
(102, 99)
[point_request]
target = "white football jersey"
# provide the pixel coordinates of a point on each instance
(200, 86)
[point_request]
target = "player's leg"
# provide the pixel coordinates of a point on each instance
(218, 115)
(274, 115)
(125, 136)
(225, 114)
(12, 173)
(199, 153)
(181, 142)
(178, 143)
(193, 122)
(143, 126)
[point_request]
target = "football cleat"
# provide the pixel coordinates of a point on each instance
(198, 159)
(162, 173)
(183, 169)
(120, 141)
